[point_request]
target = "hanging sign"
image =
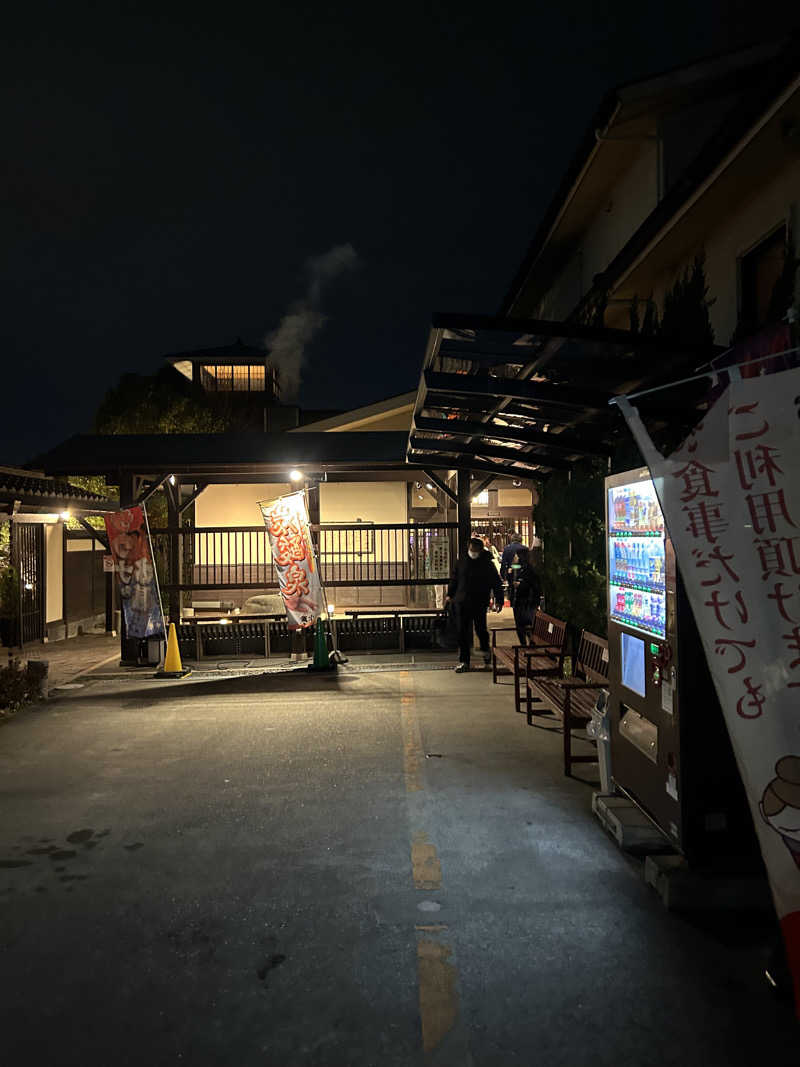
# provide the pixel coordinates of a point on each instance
(132, 559)
(731, 500)
(286, 520)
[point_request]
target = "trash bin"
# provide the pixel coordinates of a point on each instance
(598, 729)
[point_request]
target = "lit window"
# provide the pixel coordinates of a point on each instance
(482, 499)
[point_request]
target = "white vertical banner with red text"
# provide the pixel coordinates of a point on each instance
(289, 534)
(731, 500)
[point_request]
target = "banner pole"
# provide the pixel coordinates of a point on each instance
(158, 584)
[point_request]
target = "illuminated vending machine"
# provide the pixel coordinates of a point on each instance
(670, 751)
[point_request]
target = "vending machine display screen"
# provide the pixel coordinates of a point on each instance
(633, 663)
(636, 580)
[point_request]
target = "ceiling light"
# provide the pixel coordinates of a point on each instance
(296, 476)
(65, 515)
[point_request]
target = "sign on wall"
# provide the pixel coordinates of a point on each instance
(286, 520)
(132, 559)
(439, 556)
(731, 500)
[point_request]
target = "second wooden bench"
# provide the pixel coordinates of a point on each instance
(572, 698)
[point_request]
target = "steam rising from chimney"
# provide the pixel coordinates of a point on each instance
(304, 318)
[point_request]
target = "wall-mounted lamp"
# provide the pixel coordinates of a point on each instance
(65, 515)
(295, 476)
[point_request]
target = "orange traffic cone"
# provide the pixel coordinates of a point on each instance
(173, 668)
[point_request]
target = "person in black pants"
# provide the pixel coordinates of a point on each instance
(471, 587)
(527, 594)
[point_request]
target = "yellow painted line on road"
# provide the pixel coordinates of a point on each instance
(425, 865)
(438, 997)
(412, 745)
(437, 975)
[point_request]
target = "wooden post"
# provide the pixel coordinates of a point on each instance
(464, 506)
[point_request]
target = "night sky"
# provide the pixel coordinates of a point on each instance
(167, 177)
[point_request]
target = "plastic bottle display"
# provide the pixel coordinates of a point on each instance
(636, 557)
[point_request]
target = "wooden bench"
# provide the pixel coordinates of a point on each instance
(573, 698)
(544, 651)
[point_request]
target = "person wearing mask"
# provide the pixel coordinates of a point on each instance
(527, 594)
(474, 581)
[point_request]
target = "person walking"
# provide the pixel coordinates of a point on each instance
(508, 566)
(527, 594)
(490, 548)
(474, 581)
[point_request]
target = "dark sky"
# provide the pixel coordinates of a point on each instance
(167, 177)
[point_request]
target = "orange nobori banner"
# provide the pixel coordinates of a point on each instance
(286, 520)
(129, 541)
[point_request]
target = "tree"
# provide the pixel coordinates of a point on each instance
(157, 403)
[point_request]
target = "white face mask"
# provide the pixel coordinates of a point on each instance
(472, 554)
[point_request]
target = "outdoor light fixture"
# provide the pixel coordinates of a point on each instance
(296, 476)
(516, 483)
(65, 515)
(331, 609)
(28, 586)
(172, 479)
(428, 485)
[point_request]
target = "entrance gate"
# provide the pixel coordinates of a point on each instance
(28, 557)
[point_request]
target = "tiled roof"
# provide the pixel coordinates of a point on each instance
(31, 485)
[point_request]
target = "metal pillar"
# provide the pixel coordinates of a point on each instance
(175, 553)
(464, 505)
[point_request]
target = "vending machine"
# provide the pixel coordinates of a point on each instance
(670, 751)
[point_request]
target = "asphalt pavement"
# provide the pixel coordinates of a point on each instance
(374, 867)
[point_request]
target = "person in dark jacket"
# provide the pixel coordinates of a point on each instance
(474, 581)
(508, 569)
(527, 594)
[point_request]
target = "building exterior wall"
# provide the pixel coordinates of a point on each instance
(54, 552)
(235, 505)
(776, 203)
(514, 498)
(632, 200)
(378, 502)
(744, 226)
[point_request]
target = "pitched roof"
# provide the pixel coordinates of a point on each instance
(224, 353)
(32, 488)
(760, 73)
(225, 454)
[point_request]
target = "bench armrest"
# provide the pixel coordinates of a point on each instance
(533, 650)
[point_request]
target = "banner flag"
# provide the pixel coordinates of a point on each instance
(286, 520)
(129, 541)
(731, 501)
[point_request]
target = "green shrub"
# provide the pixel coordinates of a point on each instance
(20, 684)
